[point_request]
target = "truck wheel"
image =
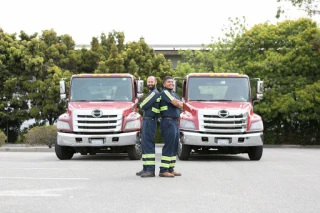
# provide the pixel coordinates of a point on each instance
(255, 152)
(184, 151)
(135, 151)
(63, 152)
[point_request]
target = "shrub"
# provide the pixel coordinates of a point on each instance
(3, 138)
(41, 135)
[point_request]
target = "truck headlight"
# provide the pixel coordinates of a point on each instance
(256, 126)
(63, 125)
(132, 125)
(187, 124)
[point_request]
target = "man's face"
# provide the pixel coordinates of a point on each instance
(151, 82)
(169, 84)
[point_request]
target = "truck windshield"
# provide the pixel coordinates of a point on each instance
(218, 89)
(101, 89)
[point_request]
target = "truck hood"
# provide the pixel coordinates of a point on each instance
(220, 105)
(100, 105)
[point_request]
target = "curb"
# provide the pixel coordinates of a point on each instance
(26, 149)
(292, 146)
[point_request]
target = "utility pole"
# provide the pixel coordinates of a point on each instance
(7, 132)
(8, 108)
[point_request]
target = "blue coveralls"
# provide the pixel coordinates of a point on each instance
(150, 105)
(169, 130)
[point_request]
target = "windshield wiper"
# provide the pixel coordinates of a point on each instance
(106, 100)
(221, 100)
(101, 100)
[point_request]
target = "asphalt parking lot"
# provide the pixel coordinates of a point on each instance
(284, 180)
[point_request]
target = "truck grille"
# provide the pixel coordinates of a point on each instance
(235, 122)
(110, 121)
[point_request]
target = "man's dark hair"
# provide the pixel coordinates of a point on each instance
(166, 78)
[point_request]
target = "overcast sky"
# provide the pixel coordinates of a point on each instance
(159, 22)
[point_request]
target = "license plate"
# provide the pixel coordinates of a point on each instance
(97, 141)
(223, 141)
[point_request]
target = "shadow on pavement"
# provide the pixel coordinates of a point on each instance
(101, 156)
(218, 157)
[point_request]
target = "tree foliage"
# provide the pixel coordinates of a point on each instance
(285, 56)
(13, 101)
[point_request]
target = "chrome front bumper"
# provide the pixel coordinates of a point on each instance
(239, 140)
(77, 140)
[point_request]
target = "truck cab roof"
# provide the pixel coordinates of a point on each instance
(104, 75)
(215, 75)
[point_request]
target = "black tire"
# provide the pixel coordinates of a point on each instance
(255, 152)
(135, 151)
(63, 152)
(184, 151)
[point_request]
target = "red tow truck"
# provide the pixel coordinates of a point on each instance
(102, 116)
(219, 116)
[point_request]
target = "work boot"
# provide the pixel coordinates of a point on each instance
(140, 173)
(147, 174)
(166, 174)
(176, 173)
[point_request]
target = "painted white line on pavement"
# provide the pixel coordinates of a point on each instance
(35, 193)
(28, 195)
(32, 178)
(2, 168)
(32, 168)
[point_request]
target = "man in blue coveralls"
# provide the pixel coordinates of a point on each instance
(150, 105)
(170, 106)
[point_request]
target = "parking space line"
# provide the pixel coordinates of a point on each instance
(36, 193)
(35, 178)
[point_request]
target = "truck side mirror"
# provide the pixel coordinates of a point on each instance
(175, 85)
(260, 87)
(62, 89)
(140, 86)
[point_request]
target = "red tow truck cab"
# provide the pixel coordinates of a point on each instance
(102, 116)
(218, 116)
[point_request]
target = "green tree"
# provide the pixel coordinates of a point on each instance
(46, 59)
(290, 67)
(13, 101)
